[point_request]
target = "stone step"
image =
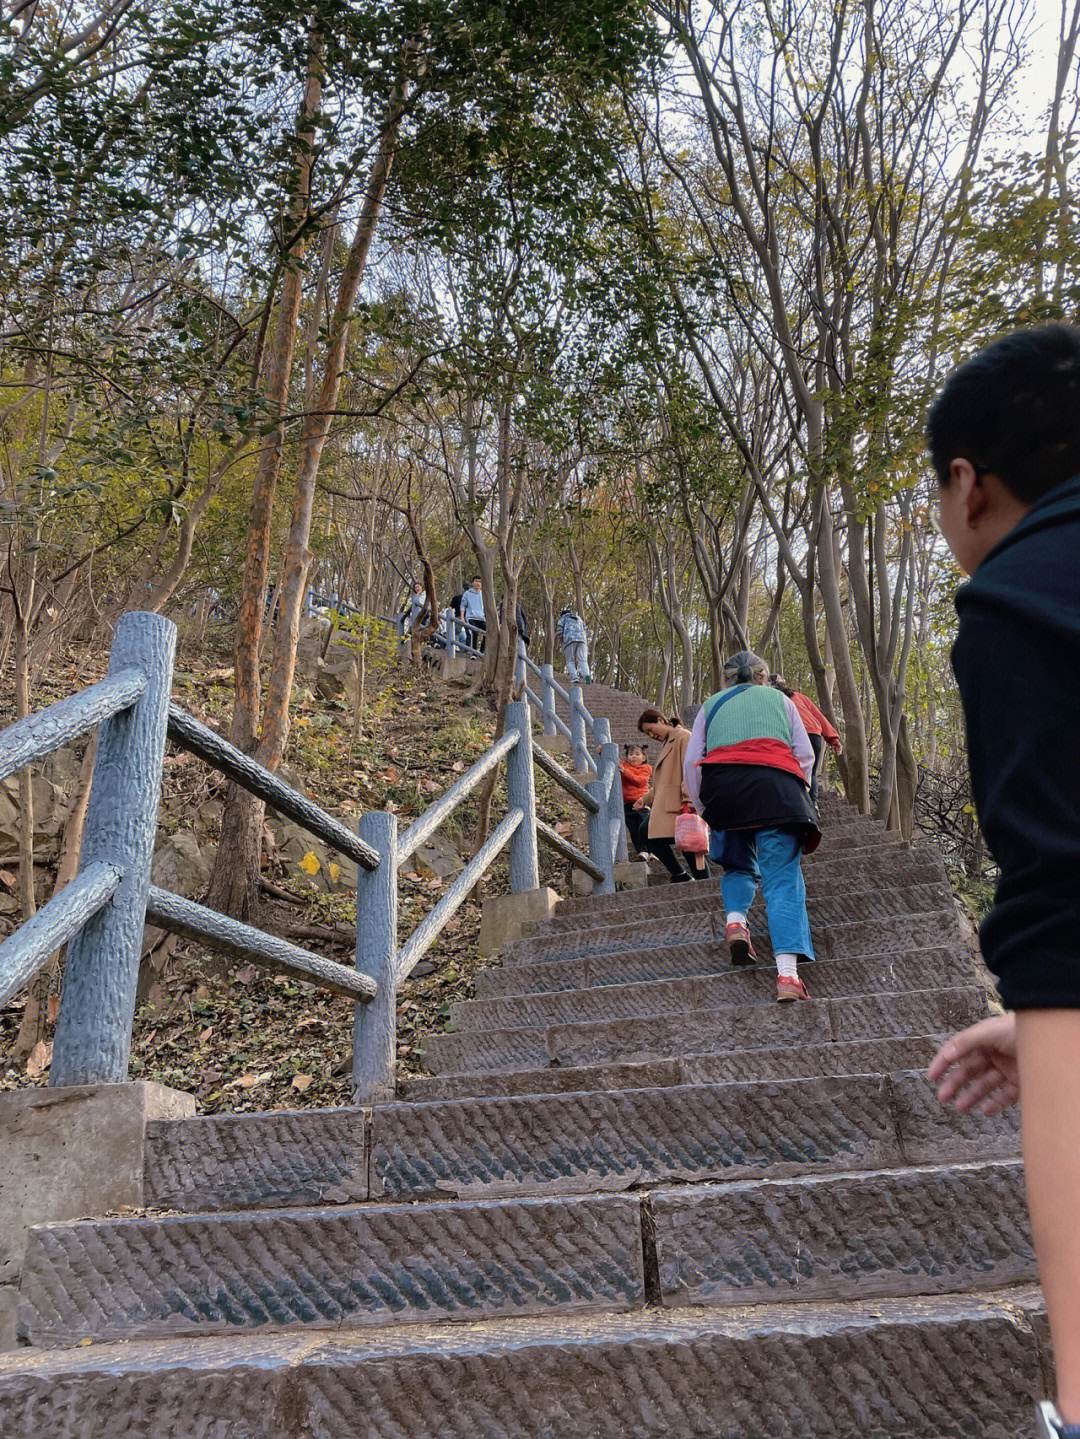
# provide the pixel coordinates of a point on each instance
(939, 1230)
(325, 1268)
(880, 855)
(548, 1144)
(682, 958)
(868, 1056)
(709, 1031)
(567, 936)
(946, 1367)
(832, 979)
(657, 901)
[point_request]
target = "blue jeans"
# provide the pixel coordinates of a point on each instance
(773, 859)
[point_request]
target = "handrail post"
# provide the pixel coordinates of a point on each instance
(609, 754)
(521, 794)
(600, 834)
(519, 665)
(577, 730)
(547, 674)
(451, 637)
(375, 1022)
(93, 1031)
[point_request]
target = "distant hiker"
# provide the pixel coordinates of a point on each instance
(521, 624)
(472, 612)
(747, 769)
(636, 773)
(1005, 442)
(668, 793)
(414, 606)
(570, 629)
(818, 728)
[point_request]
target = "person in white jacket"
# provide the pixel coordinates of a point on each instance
(747, 770)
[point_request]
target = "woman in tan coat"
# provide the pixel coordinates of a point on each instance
(668, 793)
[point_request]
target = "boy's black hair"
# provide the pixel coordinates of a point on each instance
(1014, 410)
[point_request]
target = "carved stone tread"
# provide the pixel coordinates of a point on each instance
(861, 925)
(710, 1031)
(915, 1231)
(832, 979)
(205, 1274)
(939, 935)
(890, 882)
(881, 1369)
(571, 1143)
(871, 1056)
(577, 1142)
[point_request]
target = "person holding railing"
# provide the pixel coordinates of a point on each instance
(570, 628)
(747, 770)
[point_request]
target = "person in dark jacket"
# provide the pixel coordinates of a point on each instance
(1005, 438)
(748, 767)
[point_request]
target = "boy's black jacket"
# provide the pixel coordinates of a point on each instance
(1017, 662)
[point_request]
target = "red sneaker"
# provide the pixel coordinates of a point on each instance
(788, 989)
(739, 946)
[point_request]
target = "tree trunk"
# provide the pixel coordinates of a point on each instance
(234, 884)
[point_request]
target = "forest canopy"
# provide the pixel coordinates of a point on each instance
(633, 307)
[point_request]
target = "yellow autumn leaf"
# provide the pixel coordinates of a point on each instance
(303, 721)
(335, 871)
(301, 1082)
(310, 864)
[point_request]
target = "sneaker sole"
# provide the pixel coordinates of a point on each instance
(741, 957)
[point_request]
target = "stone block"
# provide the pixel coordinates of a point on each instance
(504, 915)
(324, 1268)
(553, 743)
(453, 669)
(71, 1152)
(573, 1143)
(863, 1236)
(257, 1161)
(631, 874)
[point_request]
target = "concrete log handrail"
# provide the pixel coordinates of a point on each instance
(101, 914)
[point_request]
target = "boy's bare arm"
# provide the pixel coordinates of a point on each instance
(1034, 1055)
(1048, 1053)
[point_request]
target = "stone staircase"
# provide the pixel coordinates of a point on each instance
(634, 1198)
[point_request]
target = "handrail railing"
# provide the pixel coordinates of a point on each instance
(102, 912)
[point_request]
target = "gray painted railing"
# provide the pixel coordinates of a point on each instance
(100, 915)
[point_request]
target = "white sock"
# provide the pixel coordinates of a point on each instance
(787, 966)
(734, 917)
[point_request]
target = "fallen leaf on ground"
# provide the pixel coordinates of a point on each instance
(207, 1032)
(39, 1060)
(458, 766)
(7, 878)
(301, 1082)
(52, 1008)
(310, 863)
(245, 975)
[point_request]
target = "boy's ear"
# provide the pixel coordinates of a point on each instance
(972, 492)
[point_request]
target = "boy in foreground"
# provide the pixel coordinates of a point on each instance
(1005, 438)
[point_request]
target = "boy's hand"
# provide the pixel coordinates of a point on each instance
(978, 1067)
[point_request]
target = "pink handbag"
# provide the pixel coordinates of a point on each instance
(691, 832)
